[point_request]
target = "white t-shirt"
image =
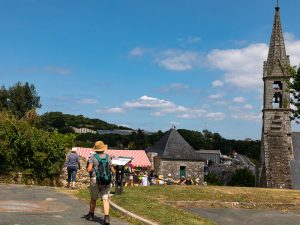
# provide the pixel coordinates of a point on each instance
(145, 181)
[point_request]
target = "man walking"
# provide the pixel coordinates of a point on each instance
(98, 162)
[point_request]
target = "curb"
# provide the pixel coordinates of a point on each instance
(130, 214)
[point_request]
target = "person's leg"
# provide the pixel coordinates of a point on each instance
(105, 190)
(94, 191)
(106, 206)
(74, 172)
(92, 206)
(69, 176)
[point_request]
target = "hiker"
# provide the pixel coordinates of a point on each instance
(73, 164)
(99, 180)
(160, 180)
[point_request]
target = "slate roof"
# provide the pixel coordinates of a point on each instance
(173, 146)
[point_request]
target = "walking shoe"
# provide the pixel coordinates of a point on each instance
(106, 220)
(89, 216)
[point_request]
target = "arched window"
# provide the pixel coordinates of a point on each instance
(277, 95)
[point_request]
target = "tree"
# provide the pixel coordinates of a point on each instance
(243, 178)
(294, 88)
(19, 99)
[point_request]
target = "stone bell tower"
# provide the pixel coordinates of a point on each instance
(274, 170)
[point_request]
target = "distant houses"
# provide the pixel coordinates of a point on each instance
(84, 130)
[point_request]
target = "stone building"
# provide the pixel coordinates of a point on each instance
(274, 170)
(172, 154)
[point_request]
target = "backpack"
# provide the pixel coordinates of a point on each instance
(103, 173)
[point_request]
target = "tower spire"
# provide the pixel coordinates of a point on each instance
(277, 54)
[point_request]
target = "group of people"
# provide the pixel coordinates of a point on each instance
(143, 178)
(131, 178)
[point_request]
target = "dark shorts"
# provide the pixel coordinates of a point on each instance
(72, 170)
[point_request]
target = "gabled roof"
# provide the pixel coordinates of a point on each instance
(173, 146)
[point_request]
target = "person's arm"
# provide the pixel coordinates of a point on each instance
(78, 162)
(90, 168)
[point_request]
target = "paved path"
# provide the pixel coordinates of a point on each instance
(34, 205)
(249, 216)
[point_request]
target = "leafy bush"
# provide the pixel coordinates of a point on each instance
(243, 178)
(30, 150)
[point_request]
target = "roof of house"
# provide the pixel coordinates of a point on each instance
(140, 158)
(173, 146)
(203, 151)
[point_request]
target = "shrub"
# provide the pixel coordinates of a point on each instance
(30, 150)
(243, 178)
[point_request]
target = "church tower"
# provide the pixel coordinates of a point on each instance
(274, 170)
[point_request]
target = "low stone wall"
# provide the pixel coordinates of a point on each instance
(83, 178)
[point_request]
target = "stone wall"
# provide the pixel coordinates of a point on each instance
(165, 166)
(276, 149)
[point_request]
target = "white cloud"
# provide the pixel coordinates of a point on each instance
(111, 110)
(202, 114)
(215, 116)
(239, 99)
(149, 102)
(88, 101)
(242, 67)
(248, 116)
(138, 52)
(292, 48)
(216, 96)
(178, 60)
(217, 83)
(248, 106)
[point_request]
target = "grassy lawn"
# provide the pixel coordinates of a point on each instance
(158, 203)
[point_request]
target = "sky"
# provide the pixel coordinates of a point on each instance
(147, 64)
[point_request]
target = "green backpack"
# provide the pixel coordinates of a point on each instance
(103, 173)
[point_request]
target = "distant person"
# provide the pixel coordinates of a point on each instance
(160, 180)
(145, 181)
(96, 187)
(170, 180)
(189, 180)
(73, 164)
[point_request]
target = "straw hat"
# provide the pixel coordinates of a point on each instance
(73, 150)
(100, 146)
(160, 177)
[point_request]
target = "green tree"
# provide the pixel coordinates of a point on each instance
(19, 99)
(294, 88)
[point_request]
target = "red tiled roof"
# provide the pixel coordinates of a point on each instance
(140, 159)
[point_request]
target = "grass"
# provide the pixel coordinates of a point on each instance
(158, 203)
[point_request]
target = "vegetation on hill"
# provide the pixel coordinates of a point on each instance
(139, 140)
(64, 122)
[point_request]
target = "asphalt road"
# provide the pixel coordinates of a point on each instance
(35, 205)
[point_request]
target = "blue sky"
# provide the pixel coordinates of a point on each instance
(147, 64)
